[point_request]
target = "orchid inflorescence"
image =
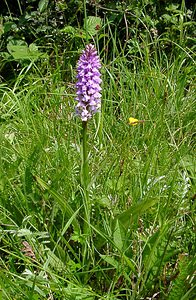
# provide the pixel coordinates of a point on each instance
(88, 87)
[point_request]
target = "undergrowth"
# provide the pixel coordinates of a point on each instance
(142, 190)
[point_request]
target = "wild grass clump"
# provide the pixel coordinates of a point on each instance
(129, 232)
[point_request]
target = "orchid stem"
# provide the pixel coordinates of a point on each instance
(85, 169)
(85, 184)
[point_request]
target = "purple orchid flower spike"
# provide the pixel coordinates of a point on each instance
(88, 87)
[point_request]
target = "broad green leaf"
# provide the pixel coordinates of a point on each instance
(80, 33)
(153, 245)
(5, 55)
(113, 262)
(78, 292)
(136, 210)
(110, 260)
(33, 48)
(65, 207)
(18, 49)
(21, 51)
(42, 5)
(172, 7)
(7, 26)
(109, 240)
(150, 258)
(104, 201)
(93, 24)
(118, 239)
(68, 30)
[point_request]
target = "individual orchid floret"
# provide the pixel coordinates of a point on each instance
(88, 87)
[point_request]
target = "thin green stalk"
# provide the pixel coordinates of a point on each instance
(85, 184)
(85, 169)
(85, 21)
(20, 7)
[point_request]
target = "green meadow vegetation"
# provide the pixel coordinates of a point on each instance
(140, 237)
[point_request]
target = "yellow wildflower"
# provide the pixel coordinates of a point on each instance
(133, 121)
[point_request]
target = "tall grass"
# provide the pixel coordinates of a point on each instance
(141, 242)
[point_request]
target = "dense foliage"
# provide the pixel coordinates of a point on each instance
(135, 236)
(53, 26)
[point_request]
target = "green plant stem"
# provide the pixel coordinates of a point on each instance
(85, 21)
(85, 169)
(85, 184)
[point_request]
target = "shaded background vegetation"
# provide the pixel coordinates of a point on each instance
(57, 26)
